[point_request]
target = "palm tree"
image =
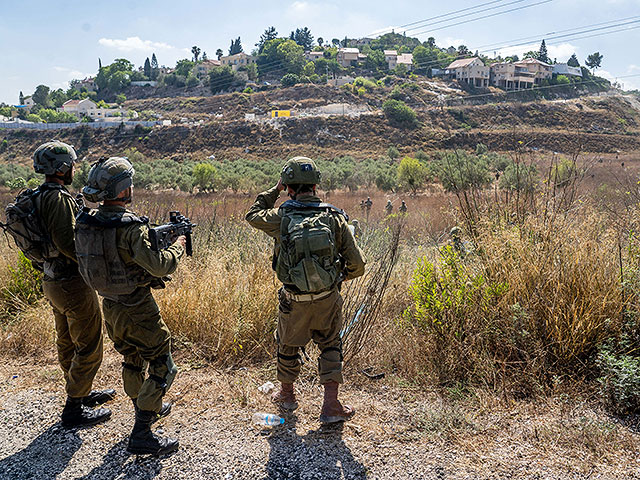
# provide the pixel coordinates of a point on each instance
(196, 52)
(219, 53)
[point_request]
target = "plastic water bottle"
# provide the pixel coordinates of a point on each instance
(270, 419)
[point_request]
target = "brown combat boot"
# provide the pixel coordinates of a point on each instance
(332, 410)
(285, 398)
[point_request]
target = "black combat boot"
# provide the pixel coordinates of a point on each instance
(143, 441)
(75, 414)
(165, 410)
(98, 397)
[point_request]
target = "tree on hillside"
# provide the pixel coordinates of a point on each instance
(204, 56)
(531, 54)
(236, 46)
(335, 42)
(424, 59)
(147, 68)
(543, 55)
(573, 61)
(279, 54)
(269, 34)
(303, 37)
(463, 51)
(593, 61)
(221, 79)
(184, 67)
(99, 63)
(154, 67)
(320, 41)
(58, 97)
(204, 176)
(412, 174)
(431, 42)
(196, 53)
(21, 98)
(375, 60)
(41, 96)
(219, 53)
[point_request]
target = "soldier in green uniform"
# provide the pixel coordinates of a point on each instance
(314, 252)
(388, 207)
(75, 305)
(116, 258)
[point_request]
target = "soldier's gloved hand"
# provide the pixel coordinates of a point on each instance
(181, 240)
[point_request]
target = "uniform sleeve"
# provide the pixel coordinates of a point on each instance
(350, 252)
(59, 217)
(263, 216)
(158, 264)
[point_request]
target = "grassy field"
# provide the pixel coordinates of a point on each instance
(541, 296)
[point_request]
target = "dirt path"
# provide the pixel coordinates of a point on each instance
(398, 433)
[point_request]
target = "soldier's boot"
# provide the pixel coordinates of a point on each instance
(143, 441)
(332, 410)
(98, 397)
(75, 414)
(165, 410)
(285, 398)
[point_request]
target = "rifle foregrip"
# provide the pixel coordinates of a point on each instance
(189, 246)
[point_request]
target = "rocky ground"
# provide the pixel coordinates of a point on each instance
(400, 432)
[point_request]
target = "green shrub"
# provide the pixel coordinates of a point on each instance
(25, 283)
(619, 381)
(290, 79)
(399, 113)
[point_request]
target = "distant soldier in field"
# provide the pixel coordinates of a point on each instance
(75, 305)
(403, 207)
(314, 252)
(367, 205)
(116, 258)
(456, 240)
(388, 207)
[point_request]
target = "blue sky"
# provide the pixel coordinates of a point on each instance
(52, 42)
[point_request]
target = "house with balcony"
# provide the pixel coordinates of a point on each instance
(391, 57)
(203, 68)
(471, 71)
(238, 60)
(511, 76)
(348, 57)
(405, 59)
(541, 70)
(311, 56)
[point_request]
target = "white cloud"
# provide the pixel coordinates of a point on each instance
(300, 10)
(70, 73)
(133, 44)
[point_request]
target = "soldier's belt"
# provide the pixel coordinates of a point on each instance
(308, 297)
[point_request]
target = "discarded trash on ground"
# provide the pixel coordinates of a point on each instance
(267, 387)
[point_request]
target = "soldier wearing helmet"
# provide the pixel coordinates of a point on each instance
(75, 306)
(115, 257)
(314, 252)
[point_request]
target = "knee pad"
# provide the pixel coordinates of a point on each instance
(163, 370)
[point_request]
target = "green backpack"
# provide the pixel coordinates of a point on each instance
(308, 260)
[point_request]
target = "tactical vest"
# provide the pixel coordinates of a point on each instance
(308, 260)
(24, 224)
(99, 262)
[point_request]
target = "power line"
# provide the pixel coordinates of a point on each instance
(485, 16)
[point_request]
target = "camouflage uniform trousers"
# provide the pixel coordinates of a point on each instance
(78, 332)
(141, 336)
(298, 323)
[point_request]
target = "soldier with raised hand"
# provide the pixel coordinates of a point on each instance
(314, 252)
(116, 258)
(75, 305)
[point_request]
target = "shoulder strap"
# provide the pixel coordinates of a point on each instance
(295, 205)
(126, 218)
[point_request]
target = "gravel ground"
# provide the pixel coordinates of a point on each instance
(398, 433)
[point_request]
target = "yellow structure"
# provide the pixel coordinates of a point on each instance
(280, 113)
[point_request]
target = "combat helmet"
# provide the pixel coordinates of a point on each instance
(107, 178)
(53, 157)
(300, 171)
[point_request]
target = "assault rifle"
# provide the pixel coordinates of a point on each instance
(163, 236)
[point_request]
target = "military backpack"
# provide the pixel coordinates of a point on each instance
(24, 225)
(308, 260)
